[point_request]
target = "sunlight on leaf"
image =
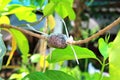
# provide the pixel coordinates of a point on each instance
(41, 61)
(28, 16)
(19, 11)
(61, 10)
(4, 20)
(3, 3)
(67, 54)
(14, 46)
(51, 22)
(22, 43)
(49, 8)
(114, 59)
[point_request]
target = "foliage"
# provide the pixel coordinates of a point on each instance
(114, 58)
(20, 39)
(49, 75)
(67, 54)
(27, 70)
(63, 8)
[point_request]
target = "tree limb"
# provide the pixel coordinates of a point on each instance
(24, 31)
(113, 24)
(100, 32)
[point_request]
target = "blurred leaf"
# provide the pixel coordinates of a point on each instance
(94, 76)
(41, 2)
(19, 11)
(74, 72)
(64, 9)
(4, 20)
(51, 22)
(22, 43)
(58, 75)
(49, 9)
(70, 2)
(103, 48)
(48, 75)
(36, 76)
(67, 54)
(3, 4)
(42, 63)
(28, 16)
(14, 46)
(70, 11)
(2, 50)
(18, 76)
(114, 58)
(35, 58)
(61, 10)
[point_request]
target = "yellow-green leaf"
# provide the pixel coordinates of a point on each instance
(51, 22)
(14, 46)
(114, 59)
(22, 43)
(49, 9)
(3, 3)
(4, 20)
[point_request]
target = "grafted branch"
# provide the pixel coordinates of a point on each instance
(113, 24)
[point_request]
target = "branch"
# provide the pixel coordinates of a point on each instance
(24, 31)
(113, 24)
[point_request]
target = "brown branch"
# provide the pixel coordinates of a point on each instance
(115, 23)
(24, 31)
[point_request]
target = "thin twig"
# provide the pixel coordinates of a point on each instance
(115, 23)
(24, 31)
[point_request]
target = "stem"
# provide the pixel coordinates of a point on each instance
(100, 32)
(99, 61)
(24, 31)
(102, 69)
(86, 64)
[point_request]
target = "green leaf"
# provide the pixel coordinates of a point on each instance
(19, 11)
(49, 9)
(61, 10)
(114, 59)
(22, 43)
(71, 13)
(41, 2)
(48, 75)
(64, 10)
(67, 54)
(58, 75)
(4, 20)
(103, 48)
(3, 4)
(28, 16)
(2, 50)
(36, 76)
